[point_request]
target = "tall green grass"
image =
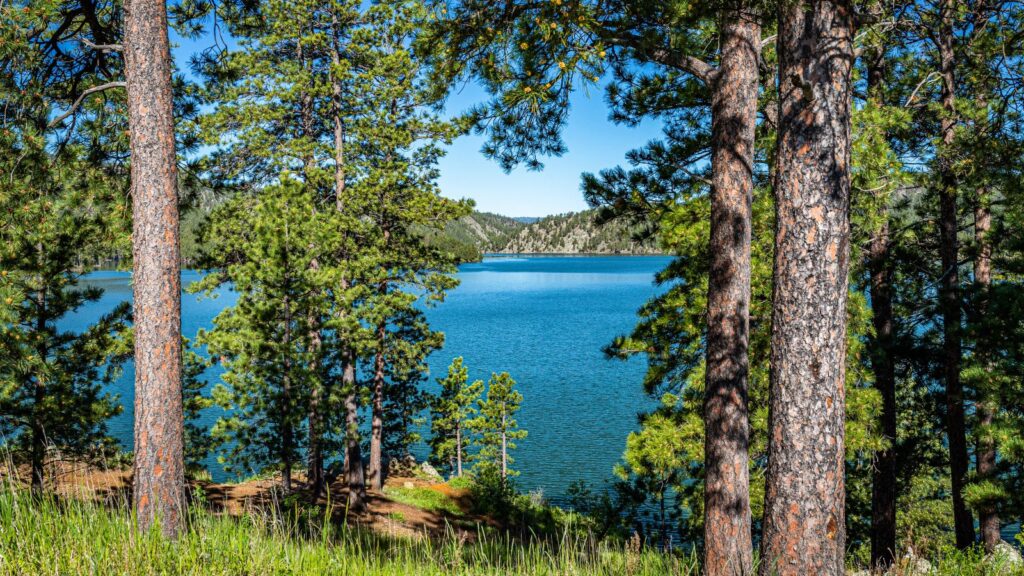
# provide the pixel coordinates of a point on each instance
(52, 536)
(47, 536)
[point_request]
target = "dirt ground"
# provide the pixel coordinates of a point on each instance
(381, 514)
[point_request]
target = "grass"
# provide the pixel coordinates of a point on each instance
(953, 562)
(51, 537)
(424, 498)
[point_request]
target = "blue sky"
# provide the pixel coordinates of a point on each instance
(594, 143)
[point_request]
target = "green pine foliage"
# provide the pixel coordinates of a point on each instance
(451, 411)
(54, 381)
(199, 443)
(497, 427)
(262, 342)
(62, 212)
(329, 132)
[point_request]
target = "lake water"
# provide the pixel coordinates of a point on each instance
(543, 319)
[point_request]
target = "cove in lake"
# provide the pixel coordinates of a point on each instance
(543, 319)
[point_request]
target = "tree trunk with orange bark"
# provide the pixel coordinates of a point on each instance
(159, 481)
(734, 91)
(804, 521)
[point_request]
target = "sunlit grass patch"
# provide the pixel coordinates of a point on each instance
(423, 497)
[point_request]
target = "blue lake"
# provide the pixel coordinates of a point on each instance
(543, 319)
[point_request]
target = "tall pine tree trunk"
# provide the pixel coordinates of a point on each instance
(504, 448)
(38, 456)
(883, 485)
(804, 521)
(376, 471)
(287, 433)
(159, 476)
(987, 401)
(458, 449)
(949, 287)
(883, 482)
(38, 431)
(354, 473)
(314, 451)
(727, 539)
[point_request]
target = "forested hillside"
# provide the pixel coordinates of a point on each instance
(573, 233)
(578, 233)
(471, 236)
(479, 233)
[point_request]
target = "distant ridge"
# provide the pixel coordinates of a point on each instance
(577, 233)
(479, 233)
(527, 219)
(572, 233)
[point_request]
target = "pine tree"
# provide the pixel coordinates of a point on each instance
(272, 99)
(805, 522)
(949, 293)
(874, 170)
(159, 476)
(496, 425)
(53, 382)
(261, 246)
(303, 95)
(451, 410)
(401, 136)
(656, 461)
(959, 128)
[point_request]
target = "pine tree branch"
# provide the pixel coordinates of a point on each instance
(78, 101)
(684, 62)
(103, 47)
(917, 88)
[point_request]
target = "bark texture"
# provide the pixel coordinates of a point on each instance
(734, 92)
(287, 433)
(159, 485)
(504, 447)
(355, 474)
(458, 449)
(949, 286)
(315, 420)
(804, 522)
